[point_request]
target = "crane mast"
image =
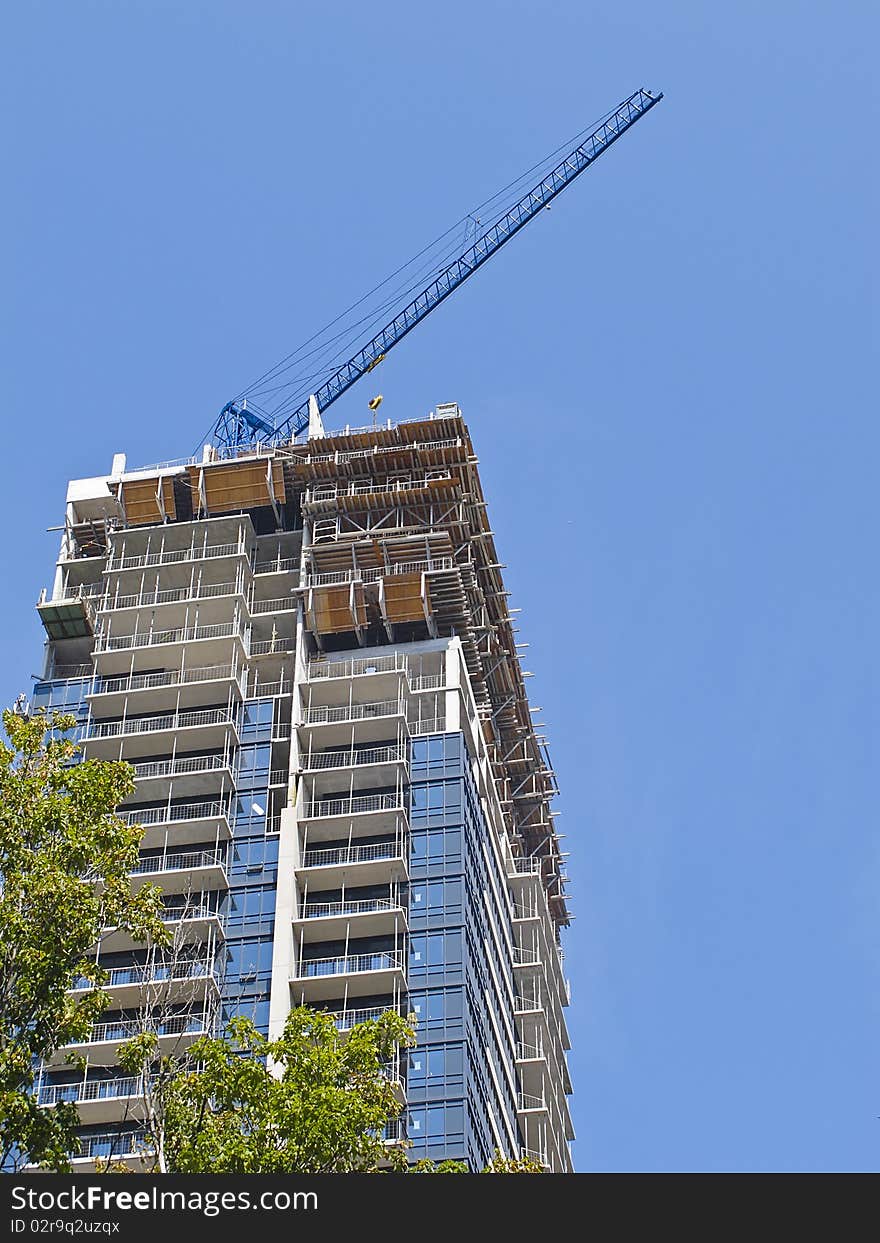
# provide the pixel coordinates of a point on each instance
(238, 426)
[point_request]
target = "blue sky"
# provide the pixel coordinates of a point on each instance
(667, 380)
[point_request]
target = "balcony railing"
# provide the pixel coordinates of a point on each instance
(354, 806)
(431, 725)
(428, 681)
(283, 605)
(168, 677)
(177, 1025)
(180, 861)
(189, 913)
(112, 1144)
(345, 1020)
(90, 1090)
(350, 964)
(332, 492)
(170, 595)
(277, 566)
(353, 668)
(525, 867)
(336, 855)
(70, 673)
(145, 975)
(364, 906)
(160, 638)
(171, 556)
(183, 767)
(529, 1052)
(175, 815)
(340, 577)
(525, 1101)
(272, 647)
(352, 712)
(154, 724)
(354, 758)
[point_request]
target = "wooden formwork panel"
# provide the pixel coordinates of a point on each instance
(140, 500)
(331, 612)
(230, 486)
(402, 596)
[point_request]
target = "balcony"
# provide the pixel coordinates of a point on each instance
(187, 981)
(277, 565)
(376, 813)
(332, 921)
(319, 979)
(175, 556)
(191, 923)
(200, 685)
(191, 774)
(345, 1020)
(283, 645)
(369, 766)
(386, 672)
(367, 864)
(329, 725)
(284, 604)
(140, 735)
(114, 652)
(97, 1100)
(184, 825)
(117, 602)
(129, 1150)
(527, 1104)
(102, 1044)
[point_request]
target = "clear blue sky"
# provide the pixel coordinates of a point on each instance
(668, 380)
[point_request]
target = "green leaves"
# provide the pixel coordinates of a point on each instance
(313, 1101)
(64, 863)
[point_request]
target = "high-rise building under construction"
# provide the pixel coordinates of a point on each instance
(307, 655)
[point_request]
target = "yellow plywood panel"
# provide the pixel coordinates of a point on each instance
(331, 609)
(230, 486)
(140, 500)
(403, 598)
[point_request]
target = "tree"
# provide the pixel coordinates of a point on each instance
(65, 860)
(314, 1101)
(498, 1165)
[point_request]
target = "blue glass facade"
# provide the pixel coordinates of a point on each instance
(460, 1094)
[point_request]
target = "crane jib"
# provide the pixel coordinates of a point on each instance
(230, 431)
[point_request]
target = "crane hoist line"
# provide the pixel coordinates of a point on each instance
(238, 426)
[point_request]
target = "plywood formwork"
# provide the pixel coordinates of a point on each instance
(146, 502)
(248, 483)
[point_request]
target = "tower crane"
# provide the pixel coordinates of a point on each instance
(238, 426)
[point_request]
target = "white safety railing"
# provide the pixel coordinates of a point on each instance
(179, 861)
(155, 724)
(159, 638)
(354, 805)
(284, 604)
(333, 856)
(354, 758)
(87, 1090)
(168, 677)
(362, 906)
(277, 565)
(185, 766)
(349, 964)
(432, 566)
(171, 556)
(319, 669)
(353, 712)
(170, 595)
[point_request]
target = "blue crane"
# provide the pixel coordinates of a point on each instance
(238, 426)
